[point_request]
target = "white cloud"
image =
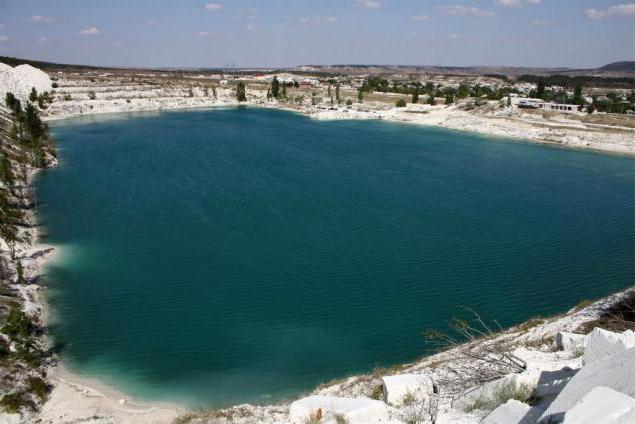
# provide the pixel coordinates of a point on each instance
(204, 34)
(39, 19)
(539, 23)
(459, 10)
(369, 4)
(420, 18)
(626, 10)
(90, 31)
(250, 27)
(515, 3)
(3, 39)
(213, 6)
(318, 19)
(41, 40)
(508, 3)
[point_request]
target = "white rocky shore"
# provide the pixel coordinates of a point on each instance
(558, 374)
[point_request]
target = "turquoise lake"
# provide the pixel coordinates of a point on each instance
(243, 255)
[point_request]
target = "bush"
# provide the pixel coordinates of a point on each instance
(400, 103)
(38, 387)
(520, 392)
(377, 393)
(92, 95)
(18, 325)
(14, 402)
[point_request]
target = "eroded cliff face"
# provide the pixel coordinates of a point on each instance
(25, 147)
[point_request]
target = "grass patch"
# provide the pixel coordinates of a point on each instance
(38, 387)
(617, 318)
(519, 392)
(377, 393)
(14, 402)
(582, 304)
(532, 323)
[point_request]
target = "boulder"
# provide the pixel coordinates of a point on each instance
(601, 344)
(354, 410)
(396, 387)
(512, 412)
(616, 372)
(570, 342)
(602, 405)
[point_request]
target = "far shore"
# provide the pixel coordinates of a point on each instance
(499, 127)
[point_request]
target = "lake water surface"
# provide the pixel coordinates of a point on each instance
(212, 257)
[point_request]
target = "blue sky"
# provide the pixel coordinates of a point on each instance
(270, 33)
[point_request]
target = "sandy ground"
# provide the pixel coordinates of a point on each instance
(82, 399)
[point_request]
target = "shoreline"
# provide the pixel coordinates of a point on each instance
(75, 393)
(502, 127)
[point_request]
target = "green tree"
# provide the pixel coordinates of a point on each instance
(509, 101)
(337, 93)
(464, 91)
(540, 89)
(360, 95)
(275, 87)
(415, 95)
(241, 94)
(284, 90)
(5, 170)
(431, 100)
(577, 95)
(20, 272)
(33, 95)
(92, 95)
(400, 103)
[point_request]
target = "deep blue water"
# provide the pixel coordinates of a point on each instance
(212, 257)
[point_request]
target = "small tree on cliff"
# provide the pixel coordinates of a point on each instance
(284, 90)
(33, 95)
(337, 93)
(20, 272)
(240, 92)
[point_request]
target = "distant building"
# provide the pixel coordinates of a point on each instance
(529, 103)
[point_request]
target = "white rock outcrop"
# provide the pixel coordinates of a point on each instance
(354, 410)
(602, 405)
(570, 342)
(512, 412)
(600, 344)
(397, 387)
(21, 79)
(616, 372)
